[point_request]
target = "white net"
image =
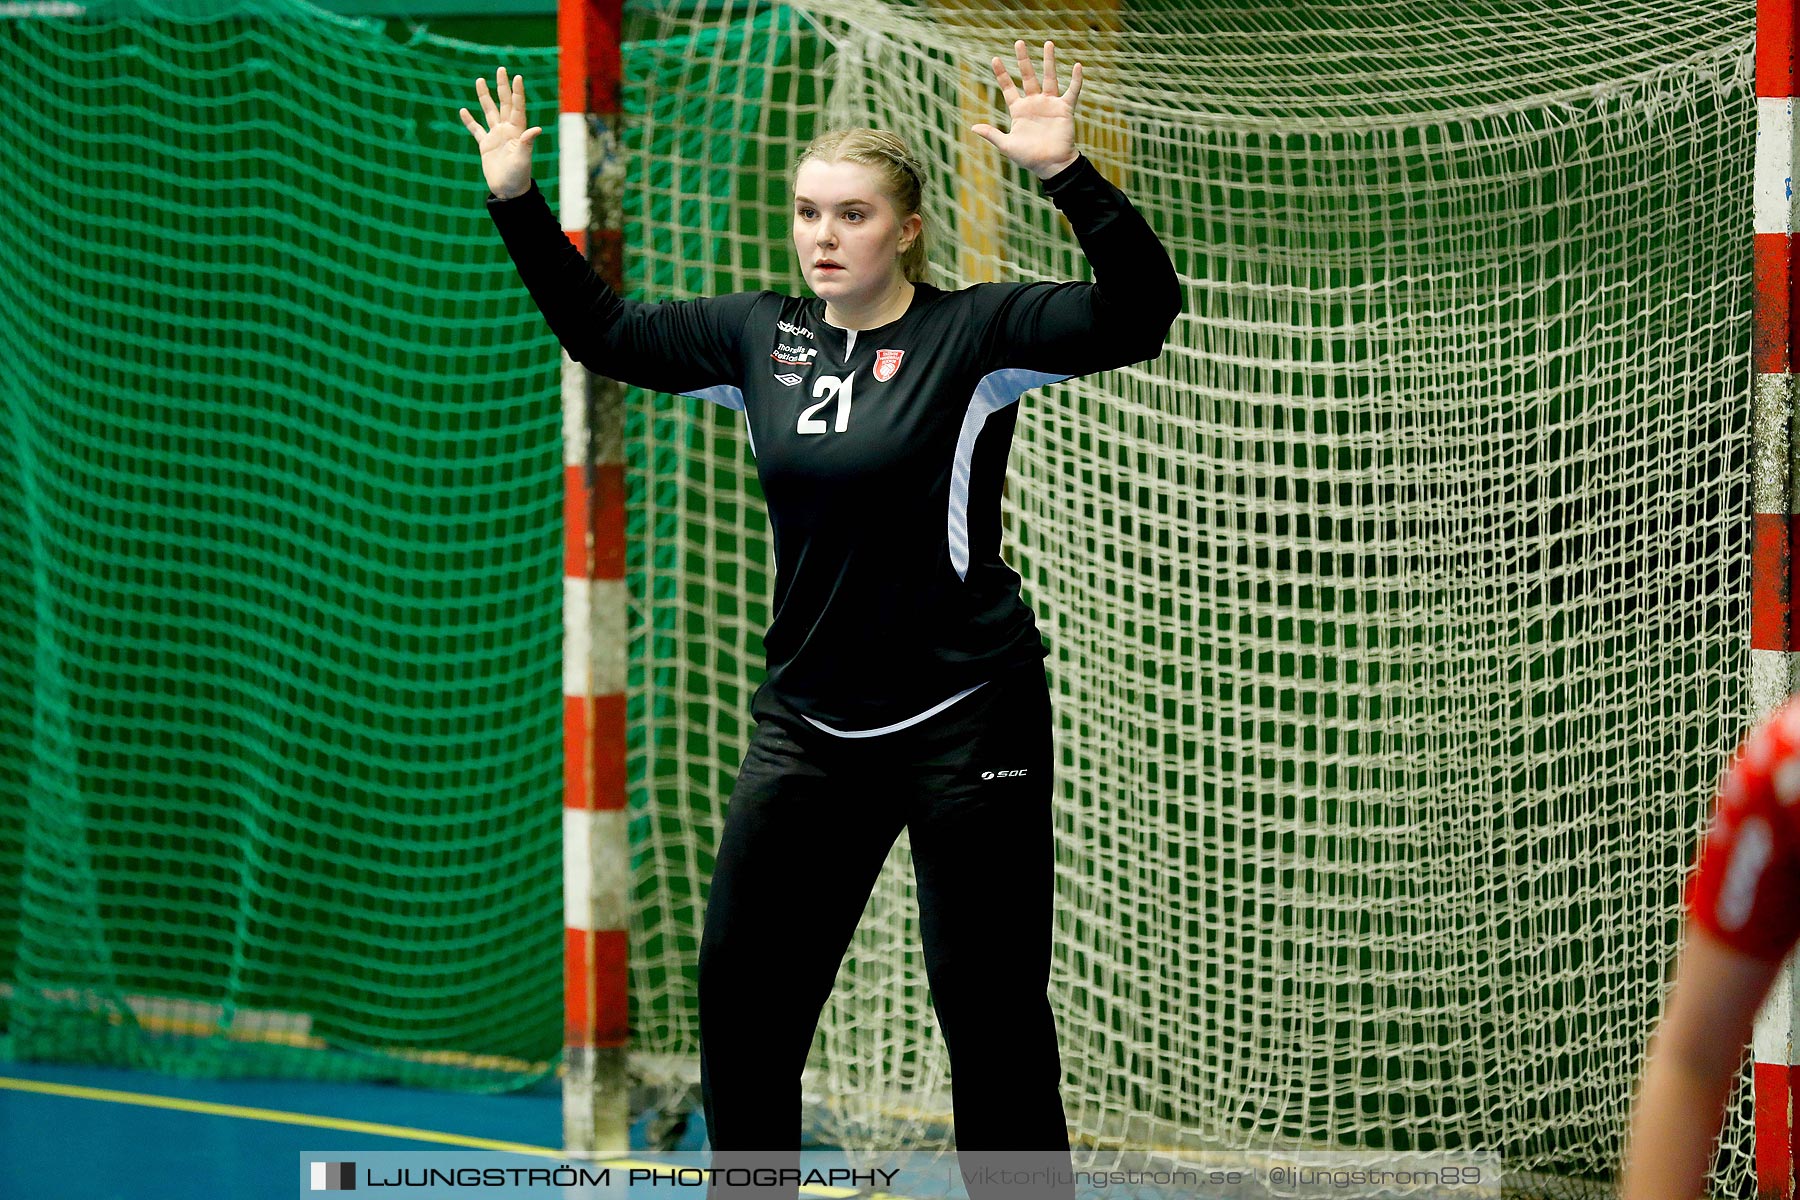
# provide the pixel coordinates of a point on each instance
(1398, 612)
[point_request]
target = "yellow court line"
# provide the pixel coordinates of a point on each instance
(274, 1115)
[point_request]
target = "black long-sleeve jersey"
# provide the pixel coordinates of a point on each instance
(881, 451)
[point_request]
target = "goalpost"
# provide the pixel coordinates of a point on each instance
(596, 850)
(1773, 632)
(1402, 613)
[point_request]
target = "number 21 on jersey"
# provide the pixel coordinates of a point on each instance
(829, 386)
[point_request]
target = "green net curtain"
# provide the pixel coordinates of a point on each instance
(280, 621)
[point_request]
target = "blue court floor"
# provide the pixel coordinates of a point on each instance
(94, 1133)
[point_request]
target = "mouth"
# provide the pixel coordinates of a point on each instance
(825, 264)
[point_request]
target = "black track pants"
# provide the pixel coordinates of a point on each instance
(810, 823)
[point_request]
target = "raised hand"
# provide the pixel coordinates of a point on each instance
(506, 144)
(1042, 137)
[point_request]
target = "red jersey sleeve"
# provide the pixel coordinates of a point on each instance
(1745, 887)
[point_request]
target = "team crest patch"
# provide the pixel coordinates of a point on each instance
(886, 363)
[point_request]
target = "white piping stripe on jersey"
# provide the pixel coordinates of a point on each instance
(1737, 895)
(995, 391)
(725, 394)
(862, 733)
(1787, 782)
(750, 433)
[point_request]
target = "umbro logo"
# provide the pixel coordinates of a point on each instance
(790, 380)
(1003, 774)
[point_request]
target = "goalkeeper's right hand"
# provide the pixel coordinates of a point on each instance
(506, 143)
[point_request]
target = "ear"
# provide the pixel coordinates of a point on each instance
(910, 230)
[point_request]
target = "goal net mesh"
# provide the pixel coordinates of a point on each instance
(1398, 612)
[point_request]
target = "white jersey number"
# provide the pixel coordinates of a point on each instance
(829, 386)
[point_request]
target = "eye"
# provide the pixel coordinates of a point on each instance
(806, 214)
(853, 215)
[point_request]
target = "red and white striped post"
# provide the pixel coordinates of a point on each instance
(596, 856)
(1772, 632)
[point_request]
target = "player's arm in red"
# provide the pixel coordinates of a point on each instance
(1694, 1058)
(1743, 916)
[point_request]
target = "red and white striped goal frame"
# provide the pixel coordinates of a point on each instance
(1773, 639)
(596, 856)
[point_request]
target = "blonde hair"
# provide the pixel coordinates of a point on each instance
(902, 177)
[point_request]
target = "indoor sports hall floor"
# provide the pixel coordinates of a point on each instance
(95, 1133)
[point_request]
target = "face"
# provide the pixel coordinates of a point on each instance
(847, 231)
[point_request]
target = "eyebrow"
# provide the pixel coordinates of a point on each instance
(841, 203)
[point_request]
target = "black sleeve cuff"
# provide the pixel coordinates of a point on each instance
(1079, 169)
(493, 199)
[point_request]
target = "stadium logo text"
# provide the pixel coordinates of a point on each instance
(796, 330)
